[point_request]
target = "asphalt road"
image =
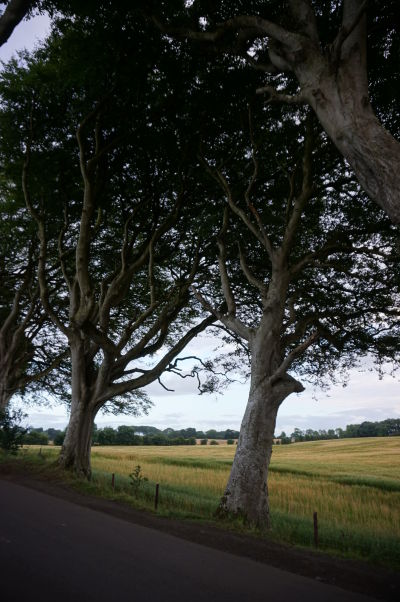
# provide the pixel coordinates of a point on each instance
(54, 550)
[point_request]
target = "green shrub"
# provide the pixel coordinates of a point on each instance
(213, 442)
(137, 479)
(203, 441)
(11, 432)
(230, 442)
(35, 438)
(59, 438)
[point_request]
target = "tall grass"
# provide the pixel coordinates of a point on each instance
(353, 485)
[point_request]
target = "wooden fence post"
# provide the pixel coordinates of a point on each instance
(315, 529)
(156, 497)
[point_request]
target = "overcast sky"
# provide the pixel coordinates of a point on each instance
(365, 397)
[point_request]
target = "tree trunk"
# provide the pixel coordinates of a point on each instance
(75, 452)
(246, 493)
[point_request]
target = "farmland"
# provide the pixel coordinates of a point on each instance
(353, 485)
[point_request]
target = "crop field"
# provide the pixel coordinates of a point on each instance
(353, 485)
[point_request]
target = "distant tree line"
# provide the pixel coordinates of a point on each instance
(150, 435)
(132, 435)
(385, 428)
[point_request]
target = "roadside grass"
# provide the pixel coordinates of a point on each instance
(353, 485)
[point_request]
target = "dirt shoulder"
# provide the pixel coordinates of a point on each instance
(353, 575)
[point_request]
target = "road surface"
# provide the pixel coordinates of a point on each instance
(52, 550)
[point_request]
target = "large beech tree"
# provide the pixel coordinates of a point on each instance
(314, 53)
(105, 175)
(310, 281)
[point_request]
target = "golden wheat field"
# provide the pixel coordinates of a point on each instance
(351, 483)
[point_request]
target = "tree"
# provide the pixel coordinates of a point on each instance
(59, 438)
(297, 435)
(34, 437)
(126, 435)
(130, 247)
(107, 436)
(312, 53)
(11, 432)
(310, 283)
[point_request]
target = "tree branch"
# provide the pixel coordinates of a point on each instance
(291, 40)
(231, 322)
(225, 283)
(249, 274)
(289, 359)
(304, 14)
(155, 372)
(346, 30)
(15, 11)
(304, 196)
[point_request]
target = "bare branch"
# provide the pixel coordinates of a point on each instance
(225, 283)
(266, 240)
(164, 387)
(135, 324)
(126, 242)
(61, 253)
(29, 378)
(304, 196)
(158, 369)
(249, 274)
(295, 353)
(260, 234)
(231, 322)
(151, 274)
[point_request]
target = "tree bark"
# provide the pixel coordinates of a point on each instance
(246, 493)
(14, 12)
(372, 153)
(336, 87)
(75, 452)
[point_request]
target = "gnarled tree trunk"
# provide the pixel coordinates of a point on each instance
(75, 452)
(246, 493)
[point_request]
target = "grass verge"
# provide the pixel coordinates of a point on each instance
(185, 502)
